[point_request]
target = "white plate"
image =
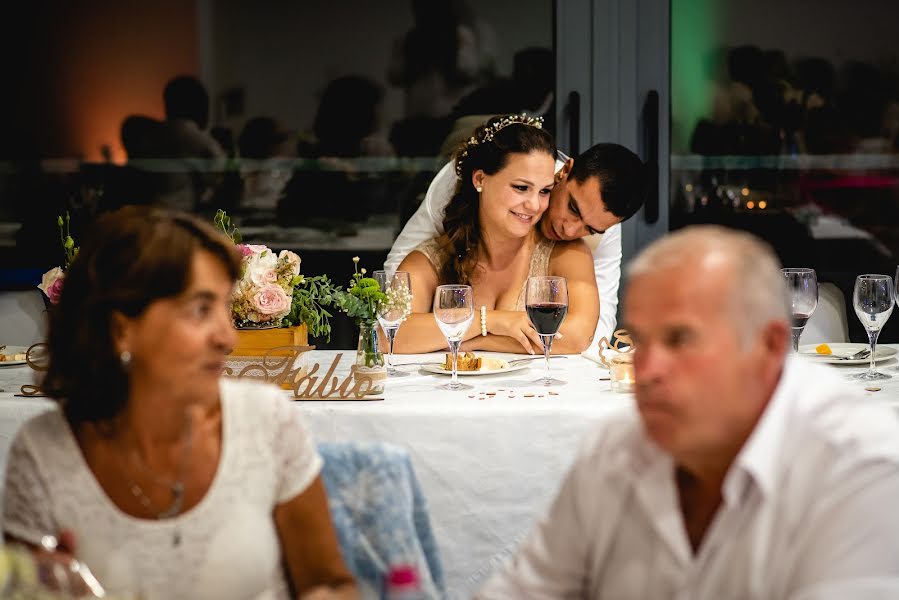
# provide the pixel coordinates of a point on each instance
(13, 350)
(439, 370)
(843, 349)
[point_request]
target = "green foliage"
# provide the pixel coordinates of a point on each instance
(222, 222)
(311, 298)
(65, 238)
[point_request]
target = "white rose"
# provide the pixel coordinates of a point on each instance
(292, 259)
(261, 268)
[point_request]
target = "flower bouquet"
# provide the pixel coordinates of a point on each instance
(271, 292)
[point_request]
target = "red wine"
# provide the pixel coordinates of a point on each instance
(799, 319)
(547, 317)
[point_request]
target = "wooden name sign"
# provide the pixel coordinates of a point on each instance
(305, 383)
(622, 337)
(279, 367)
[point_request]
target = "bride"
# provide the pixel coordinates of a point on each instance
(491, 242)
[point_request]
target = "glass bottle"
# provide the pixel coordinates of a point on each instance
(369, 358)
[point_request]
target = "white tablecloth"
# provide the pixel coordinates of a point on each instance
(488, 467)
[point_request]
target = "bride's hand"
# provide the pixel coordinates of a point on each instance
(515, 324)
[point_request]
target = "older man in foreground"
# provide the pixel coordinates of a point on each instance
(742, 472)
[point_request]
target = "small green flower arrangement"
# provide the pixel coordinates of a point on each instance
(363, 298)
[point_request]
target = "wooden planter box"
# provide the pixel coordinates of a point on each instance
(253, 344)
(257, 342)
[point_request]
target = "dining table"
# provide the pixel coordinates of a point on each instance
(489, 458)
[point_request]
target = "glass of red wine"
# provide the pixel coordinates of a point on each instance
(546, 302)
(802, 285)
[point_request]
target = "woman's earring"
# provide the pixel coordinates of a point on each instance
(125, 358)
(479, 189)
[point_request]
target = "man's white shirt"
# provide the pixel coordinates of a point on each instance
(810, 510)
(427, 222)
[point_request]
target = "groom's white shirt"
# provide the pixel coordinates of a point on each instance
(427, 222)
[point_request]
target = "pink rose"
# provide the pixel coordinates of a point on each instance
(271, 300)
(51, 284)
(245, 250)
(256, 248)
(55, 290)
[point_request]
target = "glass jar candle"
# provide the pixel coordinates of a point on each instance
(622, 373)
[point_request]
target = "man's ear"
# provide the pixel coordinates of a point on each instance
(562, 174)
(775, 339)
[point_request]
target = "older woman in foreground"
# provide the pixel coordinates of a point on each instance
(174, 482)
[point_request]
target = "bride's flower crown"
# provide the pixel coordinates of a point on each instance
(487, 134)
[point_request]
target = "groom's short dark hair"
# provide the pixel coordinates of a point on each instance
(623, 178)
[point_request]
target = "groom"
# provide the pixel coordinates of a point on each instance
(593, 194)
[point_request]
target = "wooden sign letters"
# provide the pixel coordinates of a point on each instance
(279, 367)
(622, 337)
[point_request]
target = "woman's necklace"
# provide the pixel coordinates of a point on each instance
(176, 485)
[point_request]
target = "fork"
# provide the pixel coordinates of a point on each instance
(863, 353)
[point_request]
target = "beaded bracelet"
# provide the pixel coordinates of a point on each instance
(483, 320)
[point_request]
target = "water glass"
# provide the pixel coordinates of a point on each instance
(546, 302)
(873, 299)
(802, 285)
(454, 312)
(393, 311)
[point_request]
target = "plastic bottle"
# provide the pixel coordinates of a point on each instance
(403, 584)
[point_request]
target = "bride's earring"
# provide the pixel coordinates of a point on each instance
(479, 189)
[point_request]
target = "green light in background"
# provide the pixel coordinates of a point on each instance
(694, 24)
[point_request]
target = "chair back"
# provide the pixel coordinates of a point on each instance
(380, 515)
(829, 321)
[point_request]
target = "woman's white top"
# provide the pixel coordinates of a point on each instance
(228, 544)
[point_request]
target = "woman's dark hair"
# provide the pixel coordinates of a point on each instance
(129, 259)
(461, 221)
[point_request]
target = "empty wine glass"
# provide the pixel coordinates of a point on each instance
(393, 311)
(803, 288)
(873, 301)
(454, 311)
(546, 302)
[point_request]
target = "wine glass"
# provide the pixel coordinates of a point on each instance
(546, 302)
(873, 301)
(803, 287)
(393, 311)
(454, 311)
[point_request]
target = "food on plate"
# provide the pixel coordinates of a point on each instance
(493, 364)
(470, 361)
(11, 357)
(823, 349)
(465, 362)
